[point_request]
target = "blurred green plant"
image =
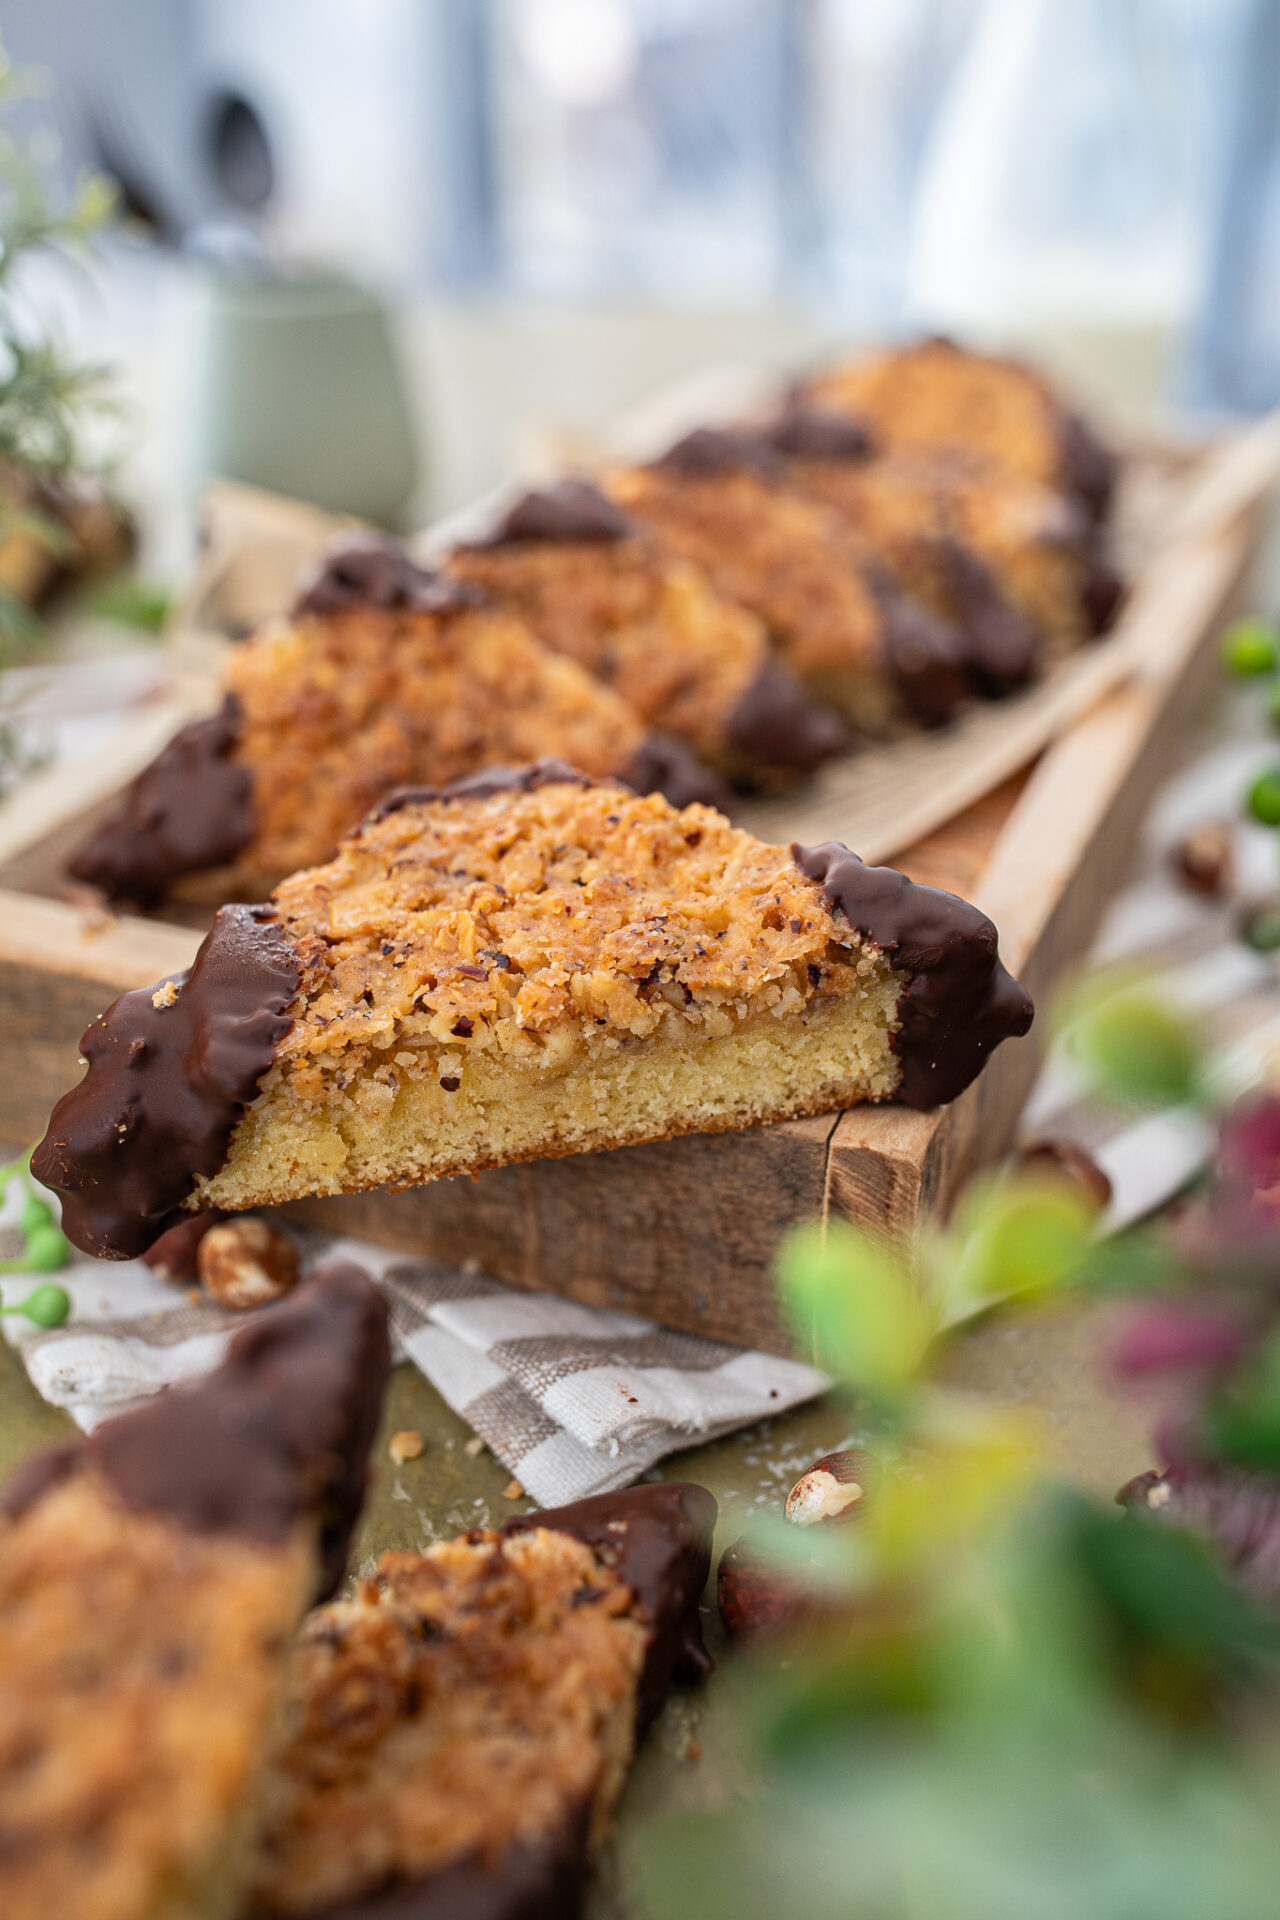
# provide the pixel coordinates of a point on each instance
(1003, 1697)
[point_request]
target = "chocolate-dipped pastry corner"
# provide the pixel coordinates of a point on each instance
(960, 1002)
(169, 1071)
(531, 1658)
(192, 808)
(697, 667)
(151, 1578)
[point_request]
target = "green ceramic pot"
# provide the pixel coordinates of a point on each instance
(299, 389)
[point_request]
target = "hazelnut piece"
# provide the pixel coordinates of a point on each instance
(174, 1255)
(1066, 1158)
(833, 1489)
(1203, 859)
(245, 1263)
(755, 1595)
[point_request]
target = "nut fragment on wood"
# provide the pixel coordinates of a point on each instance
(405, 1445)
(1203, 859)
(513, 1491)
(245, 1263)
(832, 1489)
(1073, 1163)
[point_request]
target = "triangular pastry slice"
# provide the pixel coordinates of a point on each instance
(151, 1578)
(525, 965)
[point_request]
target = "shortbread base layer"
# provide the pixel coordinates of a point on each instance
(397, 1130)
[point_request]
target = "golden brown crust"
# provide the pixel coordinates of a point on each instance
(787, 558)
(650, 626)
(334, 711)
(470, 1700)
(140, 1685)
(911, 507)
(934, 397)
(544, 923)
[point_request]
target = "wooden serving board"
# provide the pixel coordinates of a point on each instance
(685, 1230)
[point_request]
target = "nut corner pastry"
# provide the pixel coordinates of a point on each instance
(151, 1578)
(519, 966)
(383, 673)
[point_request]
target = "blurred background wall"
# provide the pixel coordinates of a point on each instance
(571, 201)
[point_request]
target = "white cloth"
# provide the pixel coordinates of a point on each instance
(574, 1400)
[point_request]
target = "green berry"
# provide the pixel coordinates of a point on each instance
(48, 1306)
(1260, 928)
(1264, 798)
(47, 1250)
(1136, 1049)
(1250, 647)
(36, 1213)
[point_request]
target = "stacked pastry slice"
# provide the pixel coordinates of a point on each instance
(383, 673)
(521, 966)
(592, 585)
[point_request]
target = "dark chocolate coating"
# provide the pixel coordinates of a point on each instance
(1002, 646)
(277, 1434)
(809, 432)
(165, 1087)
(1104, 589)
(778, 723)
(1089, 468)
(658, 1539)
(662, 764)
(192, 808)
(960, 1003)
(924, 656)
(368, 570)
(546, 772)
(543, 1879)
(710, 451)
(569, 510)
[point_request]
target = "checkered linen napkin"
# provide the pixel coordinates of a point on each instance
(572, 1399)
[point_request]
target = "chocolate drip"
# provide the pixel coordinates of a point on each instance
(544, 1879)
(1004, 647)
(279, 1433)
(959, 1003)
(658, 1539)
(546, 772)
(1088, 467)
(710, 451)
(1104, 589)
(368, 570)
(924, 657)
(569, 510)
(191, 808)
(778, 724)
(165, 1086)
(665, 765)
(809, 432)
